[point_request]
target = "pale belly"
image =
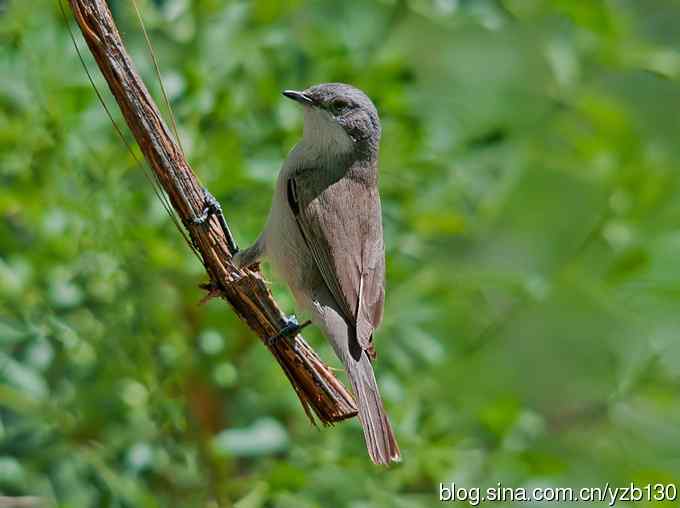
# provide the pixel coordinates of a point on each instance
(289, 255)
(293, 263)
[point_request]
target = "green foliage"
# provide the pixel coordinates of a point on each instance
(530, 183)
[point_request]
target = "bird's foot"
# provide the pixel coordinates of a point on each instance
(213, 207)
(290, 330)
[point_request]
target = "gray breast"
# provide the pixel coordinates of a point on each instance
(285, 246)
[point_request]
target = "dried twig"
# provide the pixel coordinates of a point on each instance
(316, 386)
(21, 502)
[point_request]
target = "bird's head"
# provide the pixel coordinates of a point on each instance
(339, 115)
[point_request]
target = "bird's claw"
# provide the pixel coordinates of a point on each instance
(291, 329)
(213, 207)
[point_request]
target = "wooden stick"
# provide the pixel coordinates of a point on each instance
(318, 389)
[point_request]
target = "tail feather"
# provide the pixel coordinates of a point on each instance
(380, 440)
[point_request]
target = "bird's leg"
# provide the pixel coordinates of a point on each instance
(212, 207)
(251, 255)
(290, 330)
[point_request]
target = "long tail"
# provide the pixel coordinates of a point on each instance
(380, 441)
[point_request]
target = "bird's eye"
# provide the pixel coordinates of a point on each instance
(338, 106)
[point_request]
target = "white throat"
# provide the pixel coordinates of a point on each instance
(322, 136)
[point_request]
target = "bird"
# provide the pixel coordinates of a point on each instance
(324, 237)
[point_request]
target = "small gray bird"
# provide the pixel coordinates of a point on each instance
(324, 237)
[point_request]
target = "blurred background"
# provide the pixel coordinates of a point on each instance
(530, 185)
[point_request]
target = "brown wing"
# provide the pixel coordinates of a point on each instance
(340, 218)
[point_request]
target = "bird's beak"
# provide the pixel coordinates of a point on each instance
(299, 97)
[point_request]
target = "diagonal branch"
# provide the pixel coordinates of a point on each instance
(316, 386)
